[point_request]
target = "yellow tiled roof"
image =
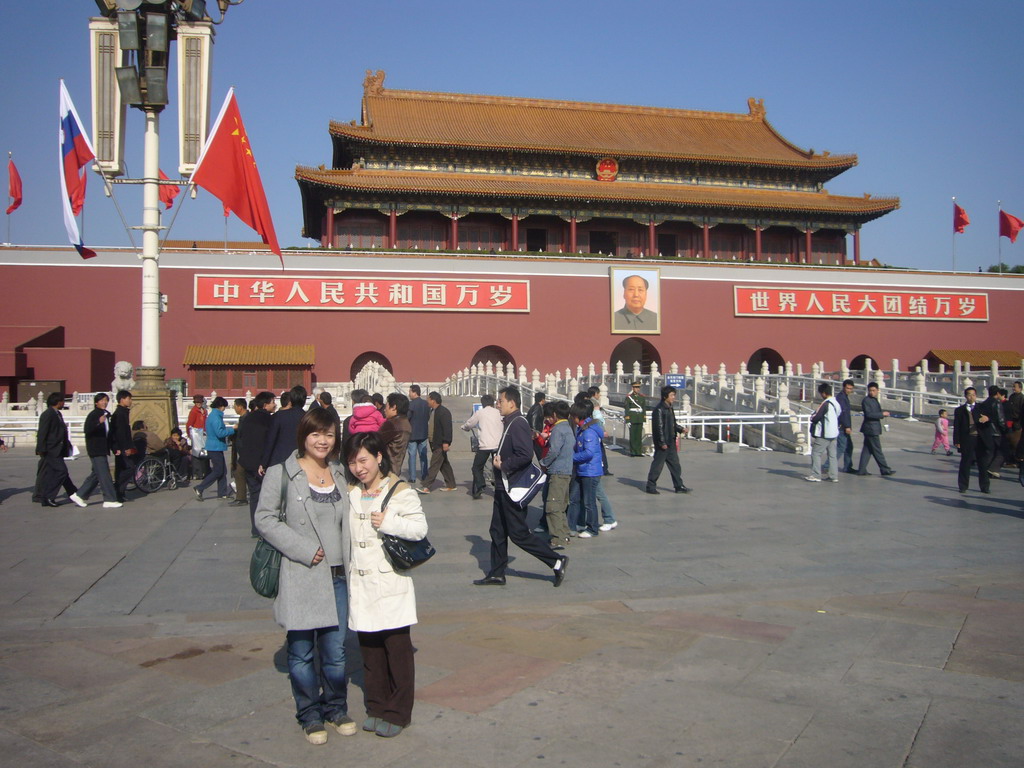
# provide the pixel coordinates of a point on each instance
(497, 122)
(592, 190)
(249, 354)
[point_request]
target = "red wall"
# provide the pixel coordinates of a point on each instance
(567, 326)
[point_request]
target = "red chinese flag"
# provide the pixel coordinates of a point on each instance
(227, 170)
(960, 218)
(168, 192)
(1009, 226)
(13, 187)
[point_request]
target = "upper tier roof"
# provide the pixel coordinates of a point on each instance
(424, 118)
(548, 188)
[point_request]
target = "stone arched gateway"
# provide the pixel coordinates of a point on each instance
(369, 357)
(632, 350)
(495, 355)
(765, 355)
(858, 363)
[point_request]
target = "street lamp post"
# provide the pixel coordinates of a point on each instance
(143, 31)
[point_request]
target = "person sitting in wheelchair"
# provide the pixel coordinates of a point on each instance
(180, 454)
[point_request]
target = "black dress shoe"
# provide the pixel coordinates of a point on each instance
(683, 489)
(889, 473)
(490, 581)
(654, 491)
(560, 571)
(49, 503)
(862, 474)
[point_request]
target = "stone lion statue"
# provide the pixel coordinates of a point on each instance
(123, 376)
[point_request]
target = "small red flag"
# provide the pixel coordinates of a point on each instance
(13, 187)
(1009, 226)
(960, 218)
(168, 191)
(227, 170)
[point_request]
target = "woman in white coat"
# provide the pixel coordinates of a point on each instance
(382, 603)
(312, 598)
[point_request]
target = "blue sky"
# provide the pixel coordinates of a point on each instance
(927, 94)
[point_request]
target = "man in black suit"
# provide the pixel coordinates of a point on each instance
(252, 439)
(872, 430)
(52, 445)
(284, 428)
(439, 435)
(972, 437)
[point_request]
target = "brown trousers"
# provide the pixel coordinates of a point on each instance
(389, 674)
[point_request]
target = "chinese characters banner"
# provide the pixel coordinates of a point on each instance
(860, 305)
(360, 293)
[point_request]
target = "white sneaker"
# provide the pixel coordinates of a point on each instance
(812, 479)
(78, 500)
(586, 535)
(112, 504)
(609, 526)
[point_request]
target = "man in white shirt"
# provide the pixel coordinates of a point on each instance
(487, 422)
(824, 432)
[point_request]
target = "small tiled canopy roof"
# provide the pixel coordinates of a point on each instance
(539, 187)
(249, 354)
(424, 118)
(978, 358)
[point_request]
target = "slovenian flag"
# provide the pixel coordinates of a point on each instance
(75, 154)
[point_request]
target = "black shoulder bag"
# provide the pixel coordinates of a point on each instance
(265, 563)
(402, 553)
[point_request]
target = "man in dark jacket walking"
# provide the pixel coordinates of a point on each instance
(508, 521)
(52, 445)
(122, 444)
(251, 439)
(439, 434)
(663, 431)
(97, 446)
(844, 443)
(872, 430)
(419, 415)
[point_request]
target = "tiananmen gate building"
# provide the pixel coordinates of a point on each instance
(453, 230)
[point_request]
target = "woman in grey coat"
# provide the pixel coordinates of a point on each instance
(312, 597)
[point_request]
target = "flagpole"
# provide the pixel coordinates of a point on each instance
(954, 235)
(999, 239)
(10, 199)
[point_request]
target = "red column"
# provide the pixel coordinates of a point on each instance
(392, 229)
(652, 240)
(327, 241)
(707, 241)
(807, 247)
(856, 247)
(515, 232)
(453, 238)
(757, 243)
(572, 234)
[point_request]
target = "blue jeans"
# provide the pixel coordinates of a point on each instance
(312, 706)
(583, 489)
(607, 515)
(418, 448)
(218, 474)
(844, 448)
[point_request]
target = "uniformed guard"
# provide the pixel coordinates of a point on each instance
(636, 414)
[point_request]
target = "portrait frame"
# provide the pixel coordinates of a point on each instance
(625, 321)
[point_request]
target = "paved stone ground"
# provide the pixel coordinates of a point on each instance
(759, 621)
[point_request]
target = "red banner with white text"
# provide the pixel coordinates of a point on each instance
(360, 293)
(860, 304)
